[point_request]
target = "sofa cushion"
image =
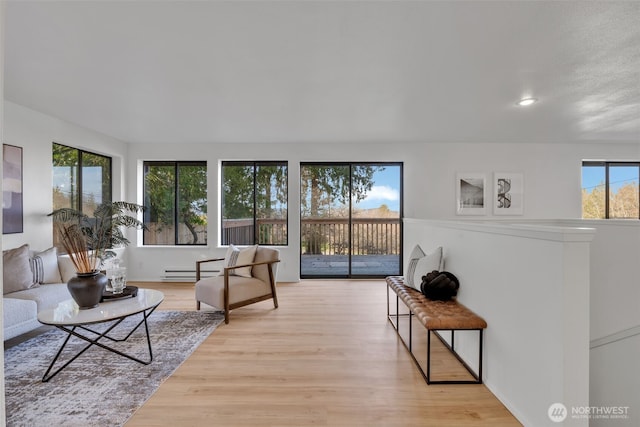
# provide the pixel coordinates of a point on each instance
(45, 296)
(19, 316)
(45, 267)
(237, 256)
(67, 270)
(17, 274)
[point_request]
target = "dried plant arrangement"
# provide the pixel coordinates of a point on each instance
(75, 244)
(89, 239)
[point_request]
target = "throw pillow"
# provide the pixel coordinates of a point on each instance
(17, 274)
(416, 254)
(237, 256)
(426, 264)
(441, 286)
(45, 267)
(67, 269)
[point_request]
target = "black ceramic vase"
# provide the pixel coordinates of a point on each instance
(86, 289)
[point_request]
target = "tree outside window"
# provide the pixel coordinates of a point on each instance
(175, 195)
(254, 203)
(610, 190)
(81, 180)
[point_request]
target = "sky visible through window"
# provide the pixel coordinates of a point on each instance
(385, 190)
(91, 184)
(619, 176)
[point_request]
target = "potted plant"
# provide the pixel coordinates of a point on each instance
(89, 241)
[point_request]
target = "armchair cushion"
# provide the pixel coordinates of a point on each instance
(237, 256)
(211, 290)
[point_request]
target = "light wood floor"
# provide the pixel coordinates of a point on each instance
(326, 357)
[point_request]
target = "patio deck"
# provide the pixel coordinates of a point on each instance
(361, 265)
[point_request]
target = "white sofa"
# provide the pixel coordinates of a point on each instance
(32, 282)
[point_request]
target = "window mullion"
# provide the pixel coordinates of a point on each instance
(255, 203)
(176, 186)
(606, 190)
(79, 188)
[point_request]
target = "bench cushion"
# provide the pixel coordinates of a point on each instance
(435, 314)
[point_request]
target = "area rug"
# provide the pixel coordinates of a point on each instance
(99, 388)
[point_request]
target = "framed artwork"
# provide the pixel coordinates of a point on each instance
(508, 193)
(11, 189)
(471, 197)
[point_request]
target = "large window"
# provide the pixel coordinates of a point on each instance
(350, 219)
(81, 180)
(175, 195)
(610, 190)
(254, 203)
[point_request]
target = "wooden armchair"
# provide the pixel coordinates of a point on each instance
(229, 292)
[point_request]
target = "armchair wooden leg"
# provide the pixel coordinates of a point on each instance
(226, 317)
(197, 305)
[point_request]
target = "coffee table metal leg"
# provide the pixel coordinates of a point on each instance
(46, 377)
(72, 332)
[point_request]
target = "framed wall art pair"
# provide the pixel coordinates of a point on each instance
(507, 195)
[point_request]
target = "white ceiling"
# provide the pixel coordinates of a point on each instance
(330, 71)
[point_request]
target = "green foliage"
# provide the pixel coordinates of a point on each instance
(188, 206)
(239, 193)
(103, 230)
(323, 187)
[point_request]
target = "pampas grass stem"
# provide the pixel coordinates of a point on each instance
(75, 244)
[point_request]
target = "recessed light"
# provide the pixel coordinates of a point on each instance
(527, 101)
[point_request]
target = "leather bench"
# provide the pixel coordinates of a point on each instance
(434, 316)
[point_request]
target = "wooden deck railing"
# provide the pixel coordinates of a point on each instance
(370, 236)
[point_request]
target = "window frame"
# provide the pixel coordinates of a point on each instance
(176, 185)
(607, 196)
(79, 193)
(350, 205)
(254, 164)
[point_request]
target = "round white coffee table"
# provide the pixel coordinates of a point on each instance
(69, 318)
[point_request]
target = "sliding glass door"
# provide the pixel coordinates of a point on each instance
(350, 219)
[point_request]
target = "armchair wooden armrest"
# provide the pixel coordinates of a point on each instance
(202, 261)
(252, 264)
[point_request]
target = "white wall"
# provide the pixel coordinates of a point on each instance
(551, 178)
(615, 277)
(552, 182)
(531, 284)
(614, 315)
(615, 319)
(35, 133)
(615, 381)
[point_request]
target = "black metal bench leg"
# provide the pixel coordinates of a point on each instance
(428, 377)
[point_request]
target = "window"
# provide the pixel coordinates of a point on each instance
(175, 195)
(254, 203)
(81, 180)
(350, 219)
(610, 190)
